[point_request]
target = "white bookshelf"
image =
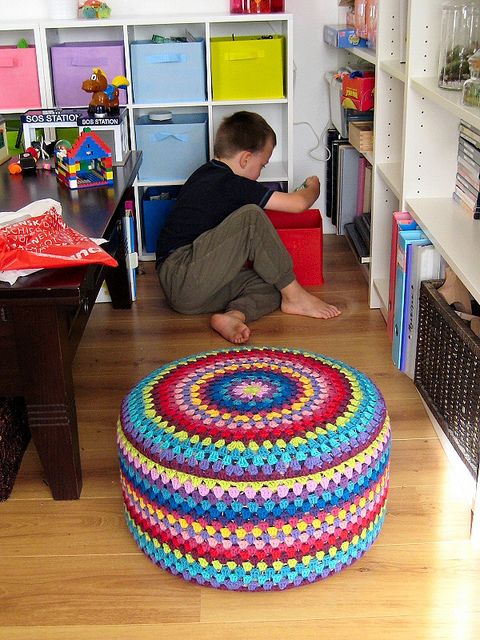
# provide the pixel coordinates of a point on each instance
(415, 159)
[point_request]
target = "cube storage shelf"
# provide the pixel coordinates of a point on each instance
(185, 78)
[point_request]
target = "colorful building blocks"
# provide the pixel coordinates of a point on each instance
(88, 163)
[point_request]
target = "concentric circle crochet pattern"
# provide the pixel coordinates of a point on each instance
(254, 468)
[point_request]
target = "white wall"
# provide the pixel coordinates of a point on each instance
(312, 59)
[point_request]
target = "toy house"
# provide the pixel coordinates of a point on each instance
(88, 163)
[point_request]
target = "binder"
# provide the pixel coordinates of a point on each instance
(336, 145)
(404, 239)
(408, 299)
(347, 186)
(362, 163)
(332, 135)
(399, 218)
(426, 264)
(131, 255)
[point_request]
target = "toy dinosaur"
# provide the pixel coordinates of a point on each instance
(105, 96)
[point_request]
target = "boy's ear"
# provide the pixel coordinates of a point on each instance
(243, 158)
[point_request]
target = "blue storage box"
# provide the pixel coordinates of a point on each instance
(172, 149)
(168, 72)
(155, 212)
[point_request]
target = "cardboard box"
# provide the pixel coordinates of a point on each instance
(358, 91)
(342, 36)
(302, 235)
(360, 135)
(248, 67)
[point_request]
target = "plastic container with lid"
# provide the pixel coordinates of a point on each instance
(460, 38)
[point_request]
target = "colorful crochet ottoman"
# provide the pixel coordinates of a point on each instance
(254, 468)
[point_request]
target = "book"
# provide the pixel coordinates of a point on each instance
(367, 192)
(465, 185)
(363, 229)
(131, 255)
(402, 29)
(469, 150)
(470, 134)
(426, 264)
(466, 204)
(408, 299)
(468, 174)
(405, 237)
(467, 162)
(362, 163)
(336, 146)
(469, 126)
(347, 185)
(332, 134)
(400, 218)
(467, 194)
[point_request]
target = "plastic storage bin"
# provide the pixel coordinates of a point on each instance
(19, 78)
(155, 212)
(168, 72)
(248, 67)
(172, 149)
(302, 235)
(72, 63)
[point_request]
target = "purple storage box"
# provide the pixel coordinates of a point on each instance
(72, 63)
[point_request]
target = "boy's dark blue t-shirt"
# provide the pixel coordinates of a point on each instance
(211, 194)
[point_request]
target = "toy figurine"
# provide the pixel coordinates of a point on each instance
(94, 9)
(105, 96)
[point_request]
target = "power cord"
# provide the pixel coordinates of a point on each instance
(320, 142)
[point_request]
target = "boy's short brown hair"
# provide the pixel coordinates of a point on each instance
(242, 131)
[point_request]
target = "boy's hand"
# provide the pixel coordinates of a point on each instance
(312, 181)
(297, 200)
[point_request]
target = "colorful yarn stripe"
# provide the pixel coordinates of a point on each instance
(254, 468)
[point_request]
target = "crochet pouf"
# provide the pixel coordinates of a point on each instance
(254, 468)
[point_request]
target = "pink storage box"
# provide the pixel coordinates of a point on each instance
(72, 63)
(19, 78)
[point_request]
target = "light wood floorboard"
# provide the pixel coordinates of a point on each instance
(71, 570)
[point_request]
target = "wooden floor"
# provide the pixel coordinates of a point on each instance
(71, 570)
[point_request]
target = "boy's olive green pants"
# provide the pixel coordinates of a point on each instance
(210, 275)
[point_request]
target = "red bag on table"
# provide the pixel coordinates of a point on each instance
(46, 242)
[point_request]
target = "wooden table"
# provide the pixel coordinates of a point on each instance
(43, 316)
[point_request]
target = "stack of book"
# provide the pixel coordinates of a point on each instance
(467, 182)
(413, 259)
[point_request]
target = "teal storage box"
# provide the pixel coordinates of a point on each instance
(172, 149)
(168, 72)
(155, 209)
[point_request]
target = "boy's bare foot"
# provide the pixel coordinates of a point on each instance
(231, 326)
(297, 301)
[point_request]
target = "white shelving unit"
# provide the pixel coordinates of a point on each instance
(415, 159)
(279, 112)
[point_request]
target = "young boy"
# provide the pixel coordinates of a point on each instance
(218, 227)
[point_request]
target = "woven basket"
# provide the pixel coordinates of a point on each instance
(447, 373)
